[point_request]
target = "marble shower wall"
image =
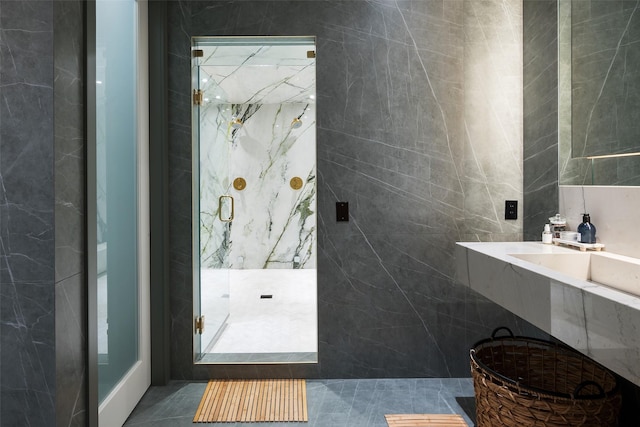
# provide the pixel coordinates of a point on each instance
(273, 223)
(419, 129)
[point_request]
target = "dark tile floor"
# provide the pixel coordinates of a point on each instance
(331, 403)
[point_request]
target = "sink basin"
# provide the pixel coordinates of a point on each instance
(616, 271)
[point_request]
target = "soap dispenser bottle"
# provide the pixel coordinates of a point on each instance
(587, 230)
(547, 236)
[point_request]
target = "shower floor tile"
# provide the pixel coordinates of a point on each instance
(284, 322)
(331, 403)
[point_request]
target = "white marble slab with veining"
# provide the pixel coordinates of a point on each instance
(599, 321)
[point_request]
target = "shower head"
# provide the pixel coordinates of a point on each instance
(236, 123)
(296, 123)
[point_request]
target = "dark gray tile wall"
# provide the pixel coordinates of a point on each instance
(605, 91)
(70, 283)
(42, 308)
(598, 26)
(605, 76)
(616, 171)
(27, 336)
(490, 165)
(540, 140)
(391, 126)
(571, 171)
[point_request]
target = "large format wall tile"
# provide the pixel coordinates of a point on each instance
(40, 74)
(391, 124)
(605, 76)
(71, 363)
(27, 358)
(71, 296)
(540, 116)
(491, 167)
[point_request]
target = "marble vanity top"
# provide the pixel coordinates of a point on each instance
(556, 295)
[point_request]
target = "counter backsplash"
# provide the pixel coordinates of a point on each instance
(615, 211)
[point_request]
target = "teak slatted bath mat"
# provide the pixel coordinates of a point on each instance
(425, 420)
(226, 401)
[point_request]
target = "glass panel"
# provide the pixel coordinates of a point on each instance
(257, 199)
(116, 170)
(212, 263)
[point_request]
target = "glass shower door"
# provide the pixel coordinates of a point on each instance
(215, 208)
(255, 199)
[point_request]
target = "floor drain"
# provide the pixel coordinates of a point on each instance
(266, 296)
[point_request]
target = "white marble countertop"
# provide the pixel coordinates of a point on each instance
(502, 251)
(599, 321)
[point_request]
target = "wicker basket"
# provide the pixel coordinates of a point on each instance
(522, 381)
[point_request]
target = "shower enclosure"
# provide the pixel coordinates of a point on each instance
(254, 193)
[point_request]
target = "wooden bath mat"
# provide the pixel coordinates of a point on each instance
(425, 420)
(227, 401)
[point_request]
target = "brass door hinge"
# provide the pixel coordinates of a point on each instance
(198, 97)
(197, 53)
(311, 54)
(199, 324)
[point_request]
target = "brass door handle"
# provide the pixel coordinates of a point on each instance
(221, 199)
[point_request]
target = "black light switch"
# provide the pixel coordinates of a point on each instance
(342, 211)
(511, 209)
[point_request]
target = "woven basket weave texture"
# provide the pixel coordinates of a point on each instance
(522, 382)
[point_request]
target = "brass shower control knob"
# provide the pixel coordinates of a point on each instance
(239, 184)
(296, 183)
